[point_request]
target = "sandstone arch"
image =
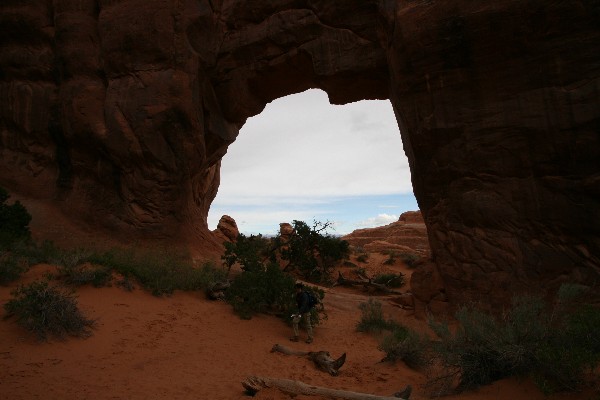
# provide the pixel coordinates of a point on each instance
(123, 109)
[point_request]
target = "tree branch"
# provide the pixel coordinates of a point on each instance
(253, 384)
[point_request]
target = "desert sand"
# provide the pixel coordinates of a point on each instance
(187, 347)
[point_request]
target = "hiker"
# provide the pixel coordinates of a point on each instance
(304, 307)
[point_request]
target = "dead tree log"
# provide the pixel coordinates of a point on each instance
(369, 285)
(322, 359)
(254, 384)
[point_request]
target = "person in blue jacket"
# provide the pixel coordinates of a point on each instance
(304, 306)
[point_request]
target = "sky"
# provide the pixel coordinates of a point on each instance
(305, 159)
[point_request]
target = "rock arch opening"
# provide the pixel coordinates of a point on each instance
(303, 158)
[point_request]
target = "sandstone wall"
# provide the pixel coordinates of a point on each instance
(498, 109)
(119, 111)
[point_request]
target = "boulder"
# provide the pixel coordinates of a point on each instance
(227, 229)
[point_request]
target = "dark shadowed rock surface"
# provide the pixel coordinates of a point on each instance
(119, 112)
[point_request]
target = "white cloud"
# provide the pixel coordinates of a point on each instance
(301, 146)
(301, 152)
(380, 220)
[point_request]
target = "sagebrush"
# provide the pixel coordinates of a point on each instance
(553, 344)
(46, 310)
(396, 341)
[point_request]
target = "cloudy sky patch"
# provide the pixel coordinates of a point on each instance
(303, 158)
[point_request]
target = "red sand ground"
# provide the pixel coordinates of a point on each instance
(187, 347)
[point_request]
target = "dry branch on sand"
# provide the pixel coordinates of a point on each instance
(322, 359)
(367, 283)
(254, 384)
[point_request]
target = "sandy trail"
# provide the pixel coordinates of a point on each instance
(187, 347)
(180, 347)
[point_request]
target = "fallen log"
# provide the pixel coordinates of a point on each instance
(322, 359)
(369, 285)
(343, 281)
(253, 384)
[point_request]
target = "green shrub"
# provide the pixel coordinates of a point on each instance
(69, 259)
(409, 259)
(372, 318)
(14, 221)
(47, 310)
(391, 260)
(11, 267)
(362, 258)
(405, 345)
(161, 272)
(269, 290)
(398, 342)
(83, 274)
(34, 253)
(485, 349)
(390, 280)
(18, 256)
(555, 346)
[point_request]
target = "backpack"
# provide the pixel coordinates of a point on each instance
(312, 299)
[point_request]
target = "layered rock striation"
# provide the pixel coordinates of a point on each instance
(120, 111)
(407, 235)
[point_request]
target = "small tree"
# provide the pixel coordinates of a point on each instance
(250, 251)
(312, 251)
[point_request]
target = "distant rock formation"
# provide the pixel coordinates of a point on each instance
(227, 230)
(408, 234)
(120, 111)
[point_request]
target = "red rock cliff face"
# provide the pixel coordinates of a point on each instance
(120, 111)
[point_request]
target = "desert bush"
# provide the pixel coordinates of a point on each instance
(34, 253)
(161, 272)
(83, 274)
(18, 256)
(364, 257)
(397, 341)
(553, 345)
(14, 221)
(11, 267)
(372, 319)
(268, 290)
(391, 260)
(409, 259)
(46, 310)
(403, 344)
(390, 280)
(74, 268)
(69, 259)
(484, 349)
